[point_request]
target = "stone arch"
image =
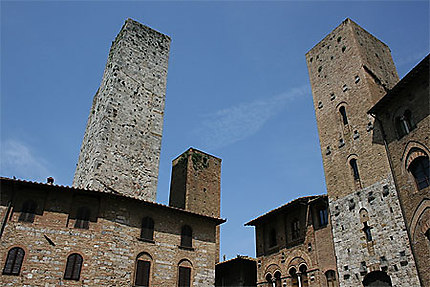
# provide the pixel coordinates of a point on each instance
(421, 218)
(377, 279)
(409, 153)
(271, 269)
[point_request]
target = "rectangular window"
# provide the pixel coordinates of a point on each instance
(184, 277)
(323, 216)
(295, 229)
(142, 273)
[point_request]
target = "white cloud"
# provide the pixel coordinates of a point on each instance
(236, 123)
(17, 159)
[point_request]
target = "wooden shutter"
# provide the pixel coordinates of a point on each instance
(184, 276)
(187, 236)
(143, 269)
(73, 267)
(147, 231)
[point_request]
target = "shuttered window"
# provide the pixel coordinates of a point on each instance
(147, 231)
(143, 269)
(82, 218)
(186, 236)
(184, 277)
(73, 267)
(28, 211)
(14, 259)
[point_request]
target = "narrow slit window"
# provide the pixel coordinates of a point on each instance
(354, 167)
(342, 112)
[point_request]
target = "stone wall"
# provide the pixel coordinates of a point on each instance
(121, 146)
(111, 244)
(352, 69)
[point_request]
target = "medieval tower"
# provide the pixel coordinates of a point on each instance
(121, 147)
(350, 70)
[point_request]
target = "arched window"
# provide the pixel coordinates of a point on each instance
(273, 242)
(404, 124)
(143, 270)
(82, 218)
(277, 276)
(73, 267)
(354, 167)
(28, 211)
(269, 280)
(14, 259)
(186, 236)
(147, 231)
(330, 275)
(184, 273)
(342, 112)
(294, 277)
(304, 275)
(419, 168)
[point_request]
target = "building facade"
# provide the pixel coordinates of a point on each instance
(403, 114)
(294, 245)
(350, 71)
(240, 271)
(107, 230)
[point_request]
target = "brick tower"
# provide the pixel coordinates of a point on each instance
(121, 147)
(196, 184)
(350, 70)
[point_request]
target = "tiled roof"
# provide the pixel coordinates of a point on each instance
(305, 199)
(108, 193)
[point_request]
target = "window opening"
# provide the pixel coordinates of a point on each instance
(331, 278)
(354, 167)
(342, 112)
(273, 242)
(404, 123)
(419, 168)
(295, 229)
(323, 217)
(367, 231)
(82, 218)
(147, 231)
(73, 267)
(143, 268)
(28, 211)
(13, 263)
(184, 276)
(277, 276)
(186, 236)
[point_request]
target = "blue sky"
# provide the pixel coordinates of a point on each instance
(237, 88)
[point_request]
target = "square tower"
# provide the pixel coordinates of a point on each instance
(350, 70)
(121, 147)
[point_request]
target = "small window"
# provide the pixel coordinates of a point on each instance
(344, 88)
(14, 259)
(73, 267)
(357, 79)
(184, 277)
(354, 167)
(295, 229)
(277, 276)
(404, 124)
(273, 242)
(186, 236)
(143, 268)
(367, 231)
(331, 278)
(323, 217)
(82, 218)
(28, 211)
(419, 168)
(147, 231)
(342, 112)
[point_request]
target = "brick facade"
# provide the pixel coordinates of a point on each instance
(294, 243)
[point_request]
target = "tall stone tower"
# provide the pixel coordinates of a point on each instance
(121, 147)
(350, 70)
(196, 184)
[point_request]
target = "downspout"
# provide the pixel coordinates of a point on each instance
(384, 138)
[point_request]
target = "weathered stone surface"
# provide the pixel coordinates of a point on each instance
(122, 142)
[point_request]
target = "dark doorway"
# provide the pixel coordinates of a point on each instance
(377, 279)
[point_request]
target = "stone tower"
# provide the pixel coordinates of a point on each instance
(121, 147)
(196, 184)
(350, 70)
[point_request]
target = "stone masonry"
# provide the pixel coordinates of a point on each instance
(350, 70)
(121, 147)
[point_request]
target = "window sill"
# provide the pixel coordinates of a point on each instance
(186, 248)
(146, 240)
